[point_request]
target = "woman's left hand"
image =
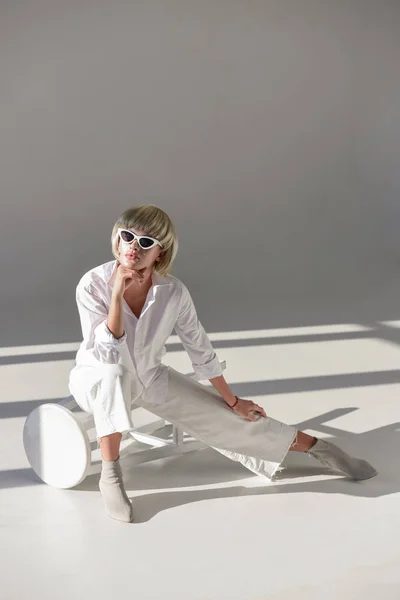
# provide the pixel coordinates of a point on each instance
(249, 410)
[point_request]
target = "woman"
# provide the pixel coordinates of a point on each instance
(128, 309)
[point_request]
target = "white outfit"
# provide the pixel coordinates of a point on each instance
(111, 374)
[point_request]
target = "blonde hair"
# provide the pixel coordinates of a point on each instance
(157, 224)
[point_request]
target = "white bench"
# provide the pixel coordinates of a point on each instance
(61, 445)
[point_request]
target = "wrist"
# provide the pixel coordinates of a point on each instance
(233, 404)
(117, 295)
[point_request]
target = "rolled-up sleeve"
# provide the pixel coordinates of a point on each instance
(190, 331)
(93, 315)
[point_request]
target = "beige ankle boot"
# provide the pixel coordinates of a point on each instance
(112, 489)
(334, 457)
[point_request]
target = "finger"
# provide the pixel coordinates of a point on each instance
(254, 415)
(249, 417)
(261, 411)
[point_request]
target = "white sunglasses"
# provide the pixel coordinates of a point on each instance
(145, 241)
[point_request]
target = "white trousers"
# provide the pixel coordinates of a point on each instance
(199, 411)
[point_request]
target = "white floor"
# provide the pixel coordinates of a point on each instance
(206, 528)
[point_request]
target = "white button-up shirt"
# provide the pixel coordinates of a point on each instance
(168, 307)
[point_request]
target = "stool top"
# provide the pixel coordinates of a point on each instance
(57, 446)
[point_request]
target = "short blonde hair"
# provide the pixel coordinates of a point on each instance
(157, 224)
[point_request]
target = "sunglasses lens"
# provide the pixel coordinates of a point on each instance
(126, 236)
(146, 243)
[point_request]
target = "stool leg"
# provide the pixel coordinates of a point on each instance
(177, 435)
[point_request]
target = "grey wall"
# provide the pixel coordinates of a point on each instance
(268, 130)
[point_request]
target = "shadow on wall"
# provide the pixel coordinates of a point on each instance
(270, 137)
(246, 301)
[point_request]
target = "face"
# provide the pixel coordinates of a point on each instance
(134, 256)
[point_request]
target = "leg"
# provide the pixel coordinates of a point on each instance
(337, 459)
(112, 417)
(260, 445)
(201, 412)
(109, 402)
(302, 442)
(109, 445)
(111, 484)
(333, 457)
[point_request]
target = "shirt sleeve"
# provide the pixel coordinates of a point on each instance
(190, 331)
(93, 314)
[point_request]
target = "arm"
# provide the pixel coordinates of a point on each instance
(195, 340)
(115, 321)
(223, 389)
(94, 315)
(204, 360)
(103, 326)
(200, 350)
(244, 408)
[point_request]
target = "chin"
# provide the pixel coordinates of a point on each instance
(138, 265)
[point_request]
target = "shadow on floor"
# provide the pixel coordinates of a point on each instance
(380, 446)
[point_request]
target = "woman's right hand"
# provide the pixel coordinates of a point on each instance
(249, 410)
(125, 277)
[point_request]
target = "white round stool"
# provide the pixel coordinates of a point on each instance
(61, 445)
(57, 444)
